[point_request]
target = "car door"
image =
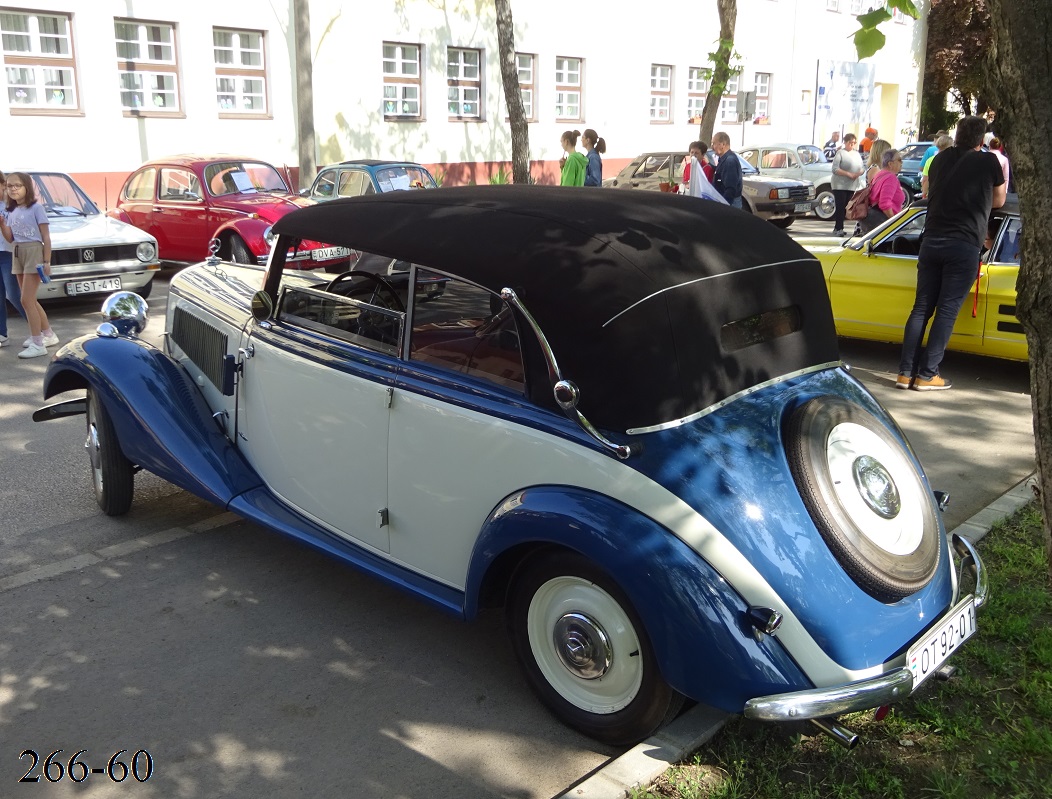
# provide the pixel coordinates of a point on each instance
(872, 288)
(780, 162)
(137, 200)
(314, 409)
(181, 214)
(1004, 335)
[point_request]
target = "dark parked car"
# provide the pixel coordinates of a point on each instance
(625, 421)
(90, 253)
(357, 178)
(778, 200)
(193, 204)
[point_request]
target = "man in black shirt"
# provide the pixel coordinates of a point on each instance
(728, 176)
(964, 184)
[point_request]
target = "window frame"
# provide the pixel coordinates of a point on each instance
(146, 67)
(833, 5)
(37, 62)
(461, 82)
(241, 73)
(531, 87)
(697, 77)
(763, 100)
(565, 88)
(402, 81)
(662, 79)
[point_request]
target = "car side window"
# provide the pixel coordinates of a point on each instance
(652, 165)
(325, 185)
(349, 315)
(1008, 252)
(749, 155)
(467, 329)
(179, 185)
(351, 181)
(905, 240)
(774, 159)
(140, 187)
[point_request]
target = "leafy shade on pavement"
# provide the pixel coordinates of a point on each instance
(985, 733)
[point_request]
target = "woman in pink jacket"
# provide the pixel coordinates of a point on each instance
(886, 196)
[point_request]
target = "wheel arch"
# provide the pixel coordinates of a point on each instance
(687, 609)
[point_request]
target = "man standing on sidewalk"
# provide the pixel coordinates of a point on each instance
(964, 184)
(728, 176)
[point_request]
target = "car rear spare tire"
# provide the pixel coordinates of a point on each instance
(868, 501)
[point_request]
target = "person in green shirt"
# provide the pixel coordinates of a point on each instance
(575, 165)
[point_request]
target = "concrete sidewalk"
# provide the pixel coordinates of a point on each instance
(641, 766)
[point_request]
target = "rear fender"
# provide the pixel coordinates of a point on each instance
(697, 623)
(159, 414)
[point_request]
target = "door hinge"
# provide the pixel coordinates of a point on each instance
(390, 397)
(381, 518)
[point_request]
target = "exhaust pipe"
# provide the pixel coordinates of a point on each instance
(843, 736)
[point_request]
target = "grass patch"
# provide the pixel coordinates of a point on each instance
(985, 733)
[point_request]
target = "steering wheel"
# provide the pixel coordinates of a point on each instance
(382, 287)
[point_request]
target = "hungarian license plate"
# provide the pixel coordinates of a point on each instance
(931, 651)
(328, 253)
(75, 287)
(802, 208)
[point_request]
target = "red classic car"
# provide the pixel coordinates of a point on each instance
(187, 202)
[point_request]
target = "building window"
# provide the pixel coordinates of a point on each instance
(569, 83)
(832, 5)
(402, 81)
(464, 76)
(525, 64)
(762, 87)
(697, 88)
(146, 67)
(856, 7)
(729, 108)
(660, 93)
(241, 74)
(38, 61)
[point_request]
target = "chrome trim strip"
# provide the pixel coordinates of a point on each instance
(970, 560)
(567, 395)
(701, 279)
(834, 700)
(632, 431)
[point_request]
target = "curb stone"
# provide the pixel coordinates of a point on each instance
(640, 766)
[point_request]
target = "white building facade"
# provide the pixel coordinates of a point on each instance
(96, 87)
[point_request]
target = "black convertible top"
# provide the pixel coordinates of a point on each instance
(656, 305)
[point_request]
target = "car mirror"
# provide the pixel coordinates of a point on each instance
(262, 306)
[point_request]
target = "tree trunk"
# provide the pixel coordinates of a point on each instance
(304, 94)
(721, 67)
(509, 72)
(1019, 74)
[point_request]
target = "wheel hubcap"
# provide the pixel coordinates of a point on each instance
(583, 646)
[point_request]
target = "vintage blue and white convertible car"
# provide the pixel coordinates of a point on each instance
(623, 418)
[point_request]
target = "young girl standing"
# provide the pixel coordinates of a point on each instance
(9, 290)
(27, 228)
(575, 164)
(594, 144)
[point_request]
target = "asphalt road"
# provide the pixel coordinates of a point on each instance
(246, 665)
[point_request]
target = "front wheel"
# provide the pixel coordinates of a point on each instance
(825, 206)
(239, 253)
(585, 652)
(111, 472)
(782, 223)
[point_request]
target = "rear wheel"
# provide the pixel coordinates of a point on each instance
(825, 206)
(585, 652)
(111, 472)
(782, 223)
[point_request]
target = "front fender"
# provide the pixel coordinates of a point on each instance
(162, 421)
(697, 623)
(249, 229)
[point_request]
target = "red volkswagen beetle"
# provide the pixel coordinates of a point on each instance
(188, 202)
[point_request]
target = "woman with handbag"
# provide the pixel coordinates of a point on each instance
(847, 179)
(886, 196)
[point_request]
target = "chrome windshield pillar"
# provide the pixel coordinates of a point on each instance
(566, 392)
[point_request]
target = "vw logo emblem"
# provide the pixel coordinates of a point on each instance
(88, 255)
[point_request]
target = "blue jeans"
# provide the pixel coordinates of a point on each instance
(946, 270)
(9, 291)
(736, 202)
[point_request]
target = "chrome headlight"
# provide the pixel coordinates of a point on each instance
(269, 236)
(146, 251)
(125, 311)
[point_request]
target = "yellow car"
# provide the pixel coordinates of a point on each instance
(872, 281)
